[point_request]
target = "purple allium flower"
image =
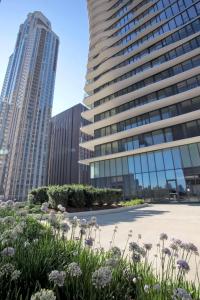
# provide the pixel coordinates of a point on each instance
(166, 251)
(136, 257)
(8, 251)
(148, 247)
(134, 247)
(183, 265)
(89, 242)
(163, 236)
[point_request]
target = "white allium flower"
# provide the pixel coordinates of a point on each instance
(66, 215)
(146, 288)
(61, 208)
(83, 223)
(64, 226)
(115, 251)
(6, 270)
(52, 218)
(9, 220)
(44, 295)
(102, 277)
(26, 244)
(157, 287)
(93, 221)
(134, 280)
(182, 294)
(45, 207)
(15, 275)
(112, 262)
(57, 277)
(74, 221)
(8, 251)
(9, 203)
(18, 204)
(74, 270)
(163, 236)
(22, 213)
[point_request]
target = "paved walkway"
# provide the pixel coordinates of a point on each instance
(177, 220)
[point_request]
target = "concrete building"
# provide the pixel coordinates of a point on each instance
(64, 150)
(25, 108)
(143, 91)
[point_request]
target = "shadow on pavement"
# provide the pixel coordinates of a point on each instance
(127, 216)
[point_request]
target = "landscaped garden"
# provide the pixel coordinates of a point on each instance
(45, 255)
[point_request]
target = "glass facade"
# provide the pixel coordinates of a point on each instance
(143, 80)
(172, 172)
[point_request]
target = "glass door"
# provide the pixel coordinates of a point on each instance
(172, 189)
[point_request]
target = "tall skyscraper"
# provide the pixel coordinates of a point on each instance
(25, 108)
(143, 90)
(64, 150)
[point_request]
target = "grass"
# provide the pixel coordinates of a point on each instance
(40, 249)
(131, 202)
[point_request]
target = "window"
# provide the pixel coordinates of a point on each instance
(137, 163)
(118, 166)
(159, 161)
(185, 157)
(161, 179)
(131, 166)
(102, 170)
(194, 154)
(125, 165)
(153, 179)
(176, 158)
(146, 181)
(112, 167)
(158, 137)
(144, 162)
(168, 160)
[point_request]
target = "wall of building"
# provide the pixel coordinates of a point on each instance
(64, 150)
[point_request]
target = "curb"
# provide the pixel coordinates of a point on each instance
(106, 211)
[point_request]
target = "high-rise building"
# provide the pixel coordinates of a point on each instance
(143, 90)
(64, 150)
(25, 108)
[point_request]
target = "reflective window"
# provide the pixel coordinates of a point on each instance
(153, 179)
(194, 154)
(159, 160)
(168, 160)
(144, 162)
(161, 179)
(137, 163)
(185, 157)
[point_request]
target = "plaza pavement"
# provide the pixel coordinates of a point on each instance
(177, 220)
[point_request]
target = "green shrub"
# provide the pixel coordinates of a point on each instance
(132, 202)
(38, 196)
(75, 195)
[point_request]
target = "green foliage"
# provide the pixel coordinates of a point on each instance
(38, 196)
(132, 202)
(41, 249)
(80, 196)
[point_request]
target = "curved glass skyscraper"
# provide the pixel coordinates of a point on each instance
(143, 90)
(25, 108)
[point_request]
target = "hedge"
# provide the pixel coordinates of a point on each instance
(75, 196)
(38, 196)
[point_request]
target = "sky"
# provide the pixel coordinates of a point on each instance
(70, 22)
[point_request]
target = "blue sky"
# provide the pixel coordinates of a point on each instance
(70, 23)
